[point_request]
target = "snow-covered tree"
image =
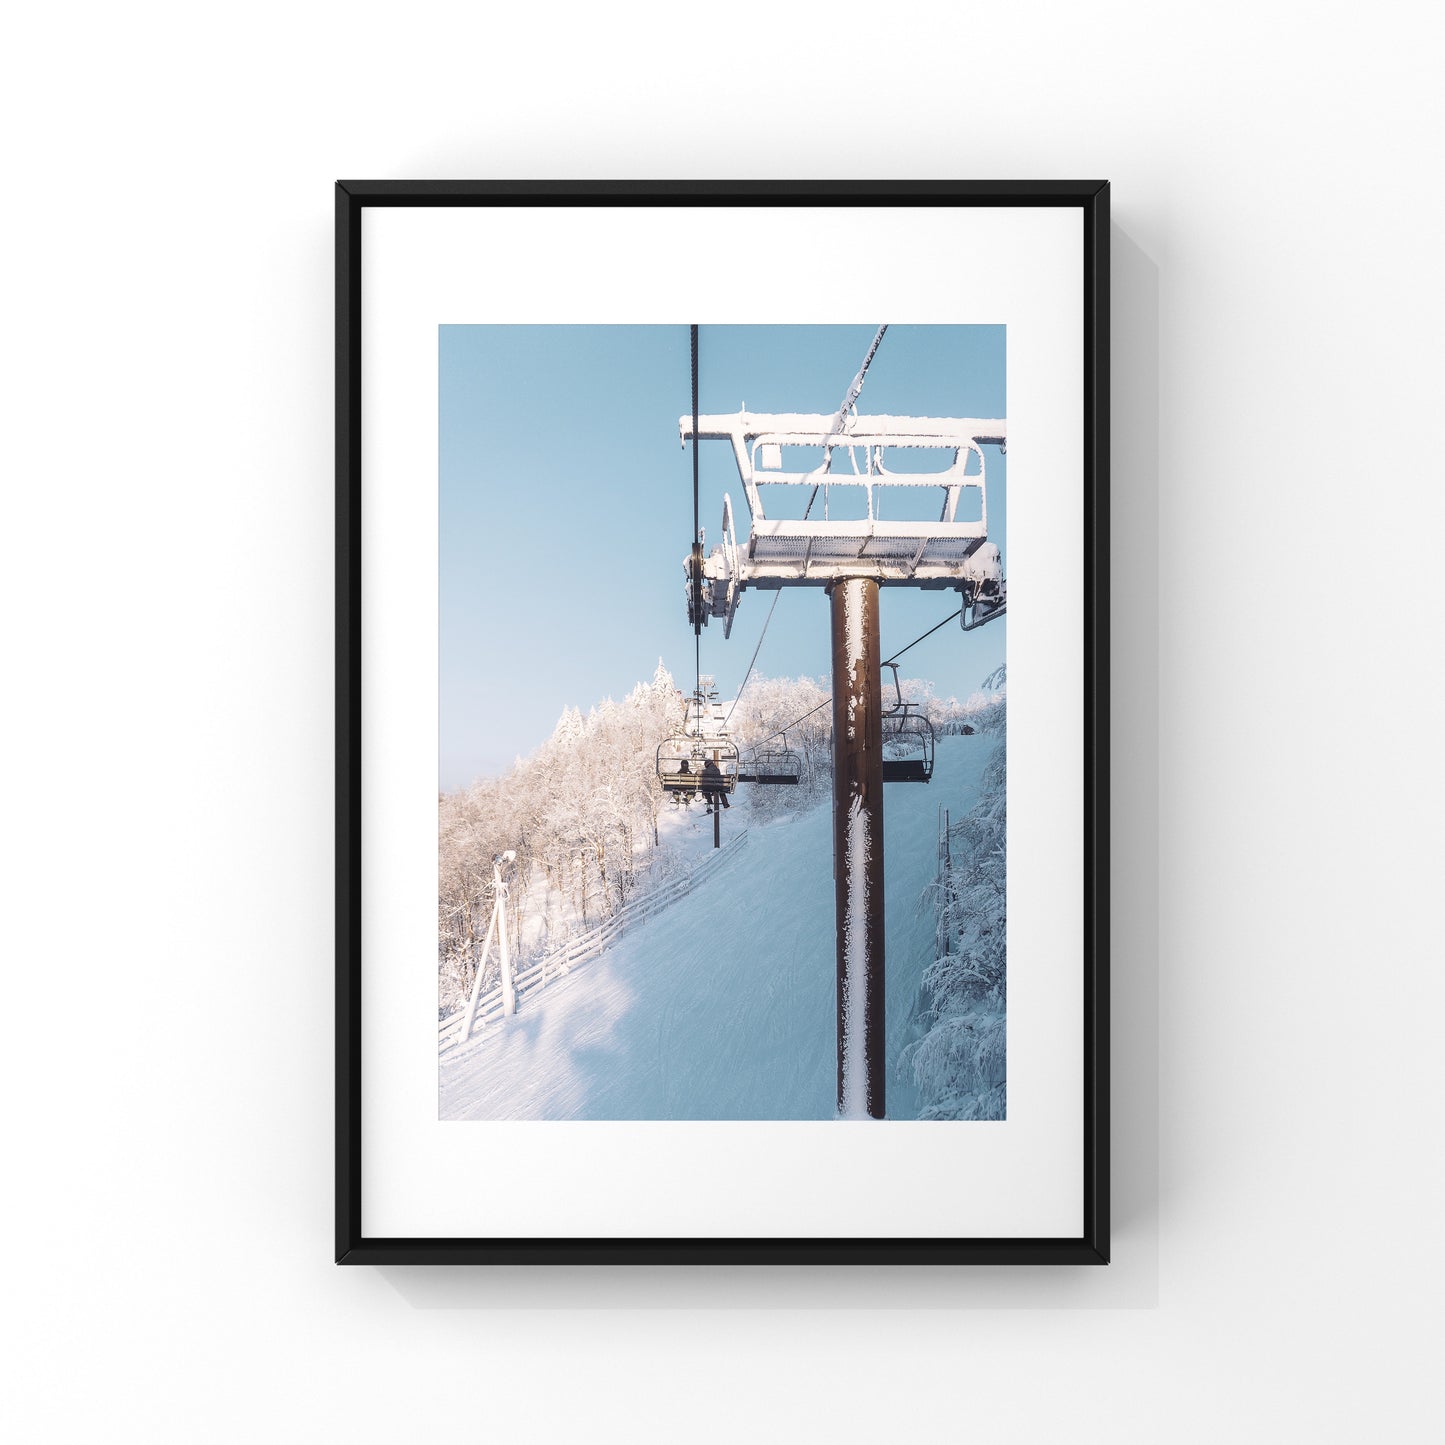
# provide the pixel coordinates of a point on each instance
(958, 1061)
(579, 812)
(792, 714)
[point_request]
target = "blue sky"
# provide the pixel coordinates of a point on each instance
(566, 511)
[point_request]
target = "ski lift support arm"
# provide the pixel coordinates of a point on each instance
(784, 552)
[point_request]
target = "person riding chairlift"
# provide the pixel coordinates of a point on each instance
(682, 796)
(712, 785)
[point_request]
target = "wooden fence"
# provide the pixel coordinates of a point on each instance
(584, 946)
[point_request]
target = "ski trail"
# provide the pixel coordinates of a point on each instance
(722, 1006)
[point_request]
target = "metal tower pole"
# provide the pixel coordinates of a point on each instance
(858, 845)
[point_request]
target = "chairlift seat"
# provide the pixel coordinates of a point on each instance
(757, 777)
(908, 740)
(906, 770)
(689, 765)
(773, 765)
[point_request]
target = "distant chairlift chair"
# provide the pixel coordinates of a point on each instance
(695, 760)
(908, 742)
(772, 765)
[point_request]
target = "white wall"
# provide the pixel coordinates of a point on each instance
(166, 584)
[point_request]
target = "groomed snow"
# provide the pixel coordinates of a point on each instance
(722, 1006)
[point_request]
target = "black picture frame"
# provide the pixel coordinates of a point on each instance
(352, 1244)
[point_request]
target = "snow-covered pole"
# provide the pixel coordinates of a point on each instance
(858, 845)
(509, 994)
(471, 1012)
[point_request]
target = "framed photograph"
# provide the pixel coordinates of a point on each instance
(722, 722)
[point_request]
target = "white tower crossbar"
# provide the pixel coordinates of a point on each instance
(819, 551)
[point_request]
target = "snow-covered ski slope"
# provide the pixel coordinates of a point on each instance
(722, 1006)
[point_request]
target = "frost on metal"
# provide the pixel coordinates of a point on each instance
(858, 843)
(854, 608)
(819, 549)
(853, 1100)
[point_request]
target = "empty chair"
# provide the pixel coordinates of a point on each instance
(908, 741)
(773, 762)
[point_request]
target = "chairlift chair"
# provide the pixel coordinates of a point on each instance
(985, 592)
(772, 765)
(696, 759)
(908, 741)
(688, 765)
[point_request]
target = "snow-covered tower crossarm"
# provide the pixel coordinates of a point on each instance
(938, 551)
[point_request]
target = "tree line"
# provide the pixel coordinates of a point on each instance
(581, 812)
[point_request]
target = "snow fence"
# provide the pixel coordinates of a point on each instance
(561, 961)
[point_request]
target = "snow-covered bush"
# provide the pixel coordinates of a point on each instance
(454, 976)
(959, 1059)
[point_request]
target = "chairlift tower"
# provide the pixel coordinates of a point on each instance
(851, 556)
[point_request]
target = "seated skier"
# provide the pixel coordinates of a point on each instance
(712, 785)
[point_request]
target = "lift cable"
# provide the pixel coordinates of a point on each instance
(951, 616)
(695, 517)
(794, 723)
(841, 415)
(853, 391)
(929, 633)
(848, 402)
(696, 531)
(756, 650)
